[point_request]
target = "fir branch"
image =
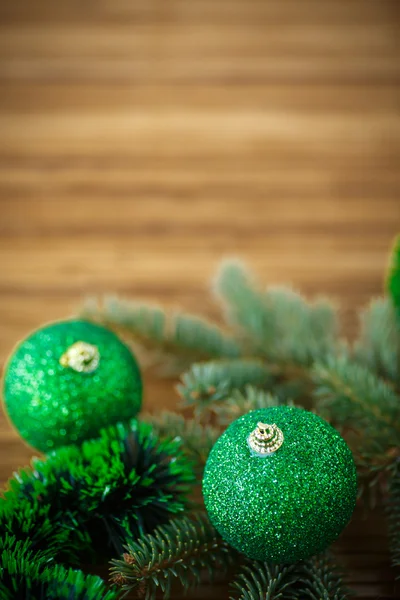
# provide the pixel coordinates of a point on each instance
(125, 483)
(321, 580)
(29, 575)
(393, 276)
(373, 473)
(164, 334)
(279, 325)
(239, 403)
(316, 578)
(353, 396)
(206, 384)
(378, 346)
(197, 439)
(262, 581)
(394, 516)
(177, 551)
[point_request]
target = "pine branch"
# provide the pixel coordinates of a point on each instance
(373, 473)
(206, 384)
(378, 347)
(177, 551)
(279, 325)
(29, 575)
(394, 516)
(197, 439)
(316, 578)
(125, 483)
(354, 397)
(164, 335)
(262, 581)
(322, 580)
(239, 403)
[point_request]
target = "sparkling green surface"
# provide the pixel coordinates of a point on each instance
(286, 506)
(53, 405)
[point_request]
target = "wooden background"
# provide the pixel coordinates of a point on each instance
(142, 141)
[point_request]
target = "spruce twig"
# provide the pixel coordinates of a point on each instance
(179, 551)
(207, 384)
(241, 402)
(262, 581)
(278, 324)
(394, 517)
(349, 393)
(378, 346)
(166, 337)
(197, 439)
(317, 578)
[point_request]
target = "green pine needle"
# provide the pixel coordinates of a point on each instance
(179, 551)
(262, 581)
(278, 324)
(241, 402)
(164, 335)
(316, 578)
(354, 397)
(394, 517)
(206, 384)
(378, 346)
(197, 439)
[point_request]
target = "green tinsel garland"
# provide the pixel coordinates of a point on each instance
(80, 504)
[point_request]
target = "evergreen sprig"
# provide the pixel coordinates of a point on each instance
(278, 324)
(241, 402)
(123, 484)
(165, 334)
(206, 384)
(197, 439)
(351, 394)
(262, 581)
(179, 551)
(317, 578)
(378, 346)
(394, 517)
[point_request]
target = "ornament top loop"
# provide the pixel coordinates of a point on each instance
(265, 439)
(81, 357)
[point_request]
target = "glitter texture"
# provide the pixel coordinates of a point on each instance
(52, 404)
(287, 505)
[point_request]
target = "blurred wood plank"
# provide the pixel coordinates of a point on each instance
(141, 142)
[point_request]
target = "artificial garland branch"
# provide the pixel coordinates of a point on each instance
(123, 484)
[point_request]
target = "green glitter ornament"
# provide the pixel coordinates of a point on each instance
(67, 381)
(280, 484)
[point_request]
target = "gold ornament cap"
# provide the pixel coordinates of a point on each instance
(81, 357)
(265, 439)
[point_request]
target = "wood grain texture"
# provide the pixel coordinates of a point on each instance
(141, 142)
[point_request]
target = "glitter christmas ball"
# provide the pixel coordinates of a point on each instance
(68, 380)
(280, 484)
